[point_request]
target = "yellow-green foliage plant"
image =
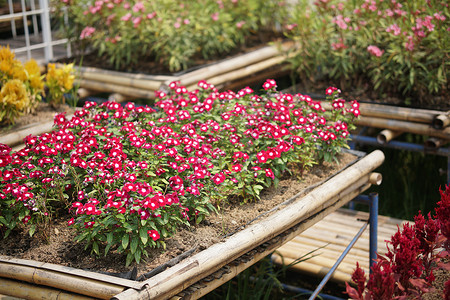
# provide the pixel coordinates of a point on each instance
(21, 86)
(59, 82)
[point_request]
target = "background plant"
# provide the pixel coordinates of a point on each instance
(414, 253)
(22, 86)
(173, 32)
(130, 176)
(397, 47)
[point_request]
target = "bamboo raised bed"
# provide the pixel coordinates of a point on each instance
(192, 276)
(224, 73)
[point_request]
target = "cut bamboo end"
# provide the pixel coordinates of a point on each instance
(119, 97)
(441, 121)
(83, 93)
(375, 178)
(433, 143)
(387, 135)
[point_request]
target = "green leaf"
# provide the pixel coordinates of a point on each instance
(2, 220)
(109, 238)
(32, 230)
(143, 235)
(134, 244)
(95, 248)
(137, 255)
(108, 246)
(129, 259)
(125, 241)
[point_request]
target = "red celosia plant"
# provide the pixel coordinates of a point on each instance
(414, 253)
(131, 175)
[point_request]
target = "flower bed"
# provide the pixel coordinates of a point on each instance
(127, 178)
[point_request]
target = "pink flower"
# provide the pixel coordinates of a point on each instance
(126, 18)
(137, 21)
(139, 6)
(177, 25)
(409, 45)
(215, 16)
(395, 29)
(87, 32)
(374, 50)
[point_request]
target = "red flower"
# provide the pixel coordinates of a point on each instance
(154, 234)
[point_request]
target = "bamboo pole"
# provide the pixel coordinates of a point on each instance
(175, 279)
(387, 135)
(134, 76)
(394, 112)
(16, 137)
(294, 251)
(315, 270)
(398, 113)
(63, 278)
(242, 72)
(233, 269)
(441, 121)
(107, 87)
(25, 290)
(231, 64)
(142, 84)
(405, 126)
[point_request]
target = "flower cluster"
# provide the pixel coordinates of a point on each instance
(22, 85)
(130, 175)
(414, 252)
(374, 40)
(173, 32)
(59, 82)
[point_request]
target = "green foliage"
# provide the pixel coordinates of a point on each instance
(397, 47)
(173, 32)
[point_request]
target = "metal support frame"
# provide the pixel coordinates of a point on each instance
(372, 141)
(44, 12)
(372, 201)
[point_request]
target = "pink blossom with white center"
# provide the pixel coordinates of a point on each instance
(374, 50)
